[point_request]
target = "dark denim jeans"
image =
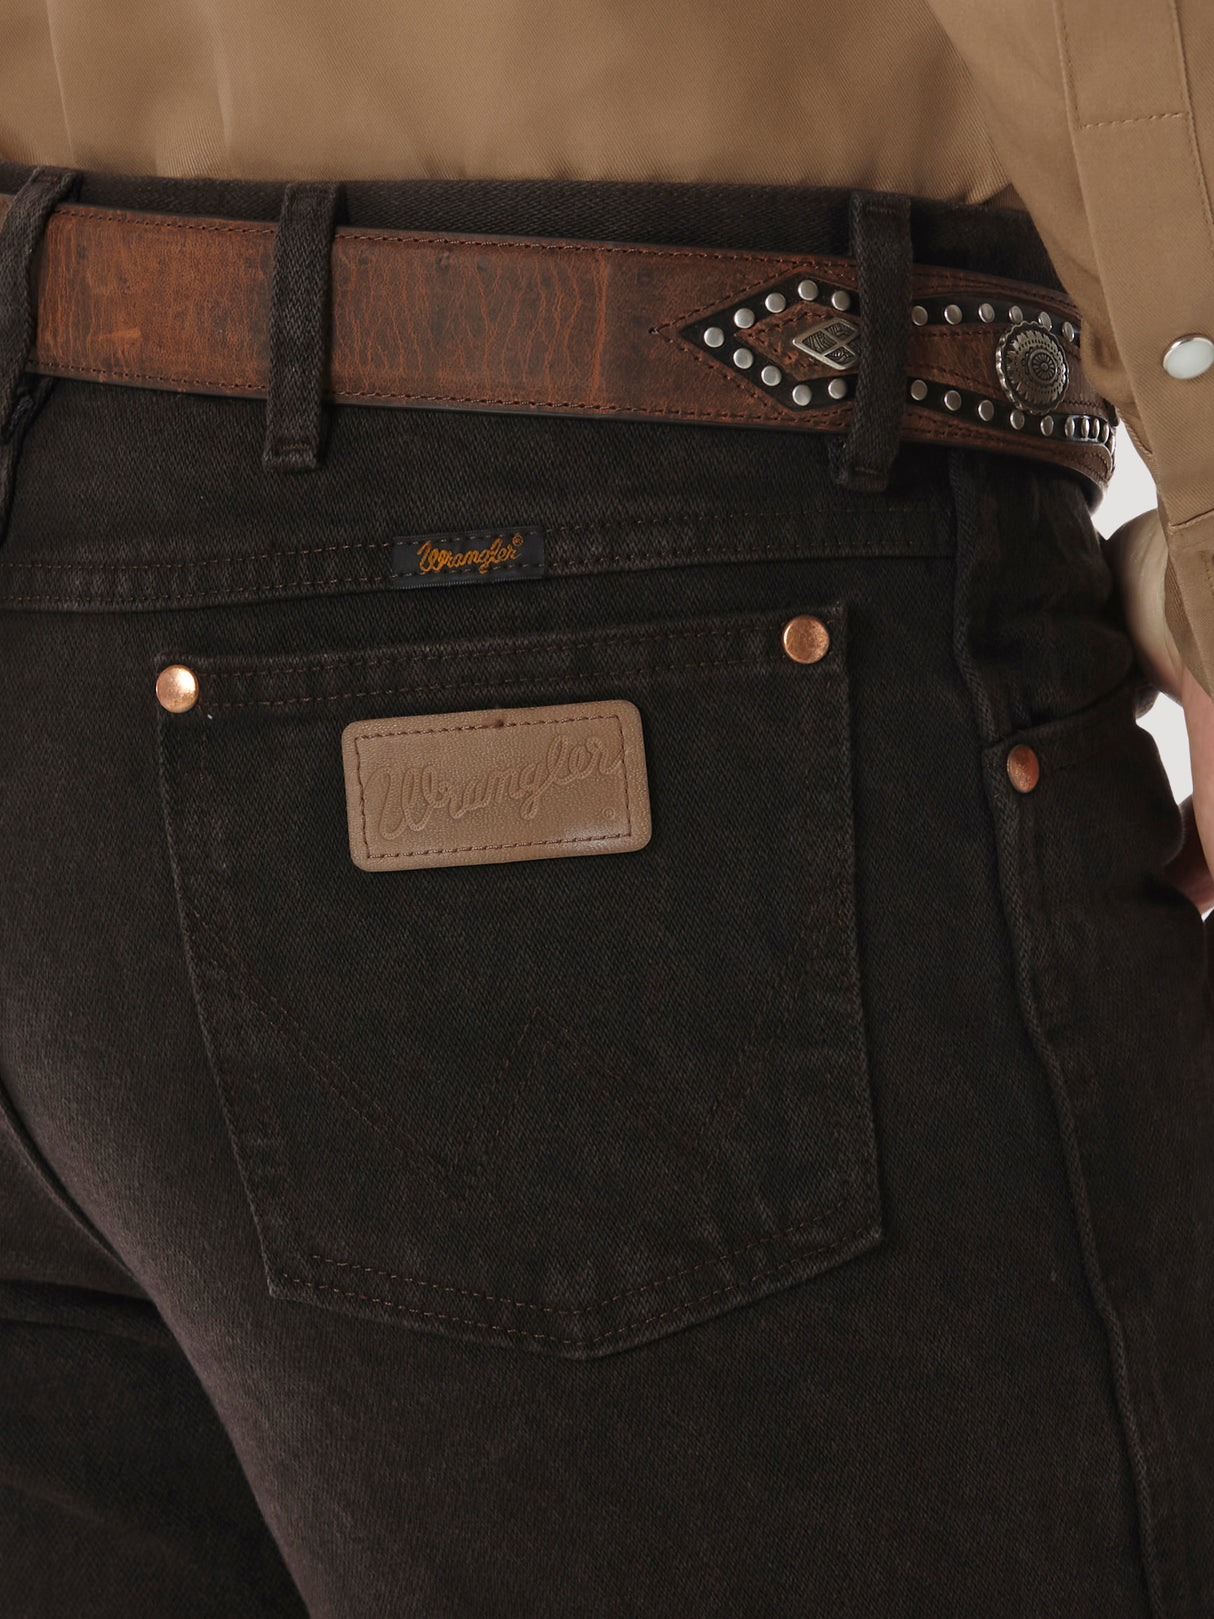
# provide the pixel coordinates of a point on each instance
(810, 1213)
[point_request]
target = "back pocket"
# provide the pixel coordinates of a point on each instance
(567, 1105)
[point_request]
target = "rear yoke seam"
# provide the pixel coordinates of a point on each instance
(675, 521)
(543, 530)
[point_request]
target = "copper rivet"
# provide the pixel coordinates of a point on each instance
(176, 688)
(1023, 769)
(806, 639)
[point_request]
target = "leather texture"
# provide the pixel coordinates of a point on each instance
(504, 323)
(496, 784)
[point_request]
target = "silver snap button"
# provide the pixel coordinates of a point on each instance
(1189, 356)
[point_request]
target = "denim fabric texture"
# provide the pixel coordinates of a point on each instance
(810, 1213)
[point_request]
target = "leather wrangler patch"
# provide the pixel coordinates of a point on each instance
(495, 784)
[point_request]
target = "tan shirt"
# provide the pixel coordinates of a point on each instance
(1096, 115)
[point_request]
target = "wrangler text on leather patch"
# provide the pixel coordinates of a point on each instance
(475, 556)
(494, 784)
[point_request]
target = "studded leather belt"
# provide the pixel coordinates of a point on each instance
(573, 327)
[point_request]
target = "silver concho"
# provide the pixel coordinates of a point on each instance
(835, 343)
(1032, 368)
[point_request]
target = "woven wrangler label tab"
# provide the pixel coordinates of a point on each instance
(474, 556)
(496, 784)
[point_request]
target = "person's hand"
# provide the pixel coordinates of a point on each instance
(1138, 554)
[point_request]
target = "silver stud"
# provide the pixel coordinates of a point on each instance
(1070, 426)
(841, 300)
(952, 400)
(1068, 331)
(743, 358)
(986, 311)
(953, 314)
(801, 395)
(836, 388)
(1015, 312)
(775, 301)
(919, 314)
(807, 290)
(985, 409)
(744, 318)
(918, 389)
(1047, 425)
(1043, 319)
(714, 337)
(1017, 419)
(1189, 356)
(1087, 427)
(1102, 430)
(770, 374)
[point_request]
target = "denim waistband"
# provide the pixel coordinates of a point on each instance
(129, 497)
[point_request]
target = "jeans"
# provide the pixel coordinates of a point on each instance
(808, 1213)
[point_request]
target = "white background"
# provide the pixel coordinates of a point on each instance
(1131, 491)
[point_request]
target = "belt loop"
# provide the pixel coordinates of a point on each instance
(299, 326)
(20, 236)
(881, 243)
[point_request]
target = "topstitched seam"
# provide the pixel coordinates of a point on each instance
(615, 1332)
(541, 682)
(741, 625)
(545, 529)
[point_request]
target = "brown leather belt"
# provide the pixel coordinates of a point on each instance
(573, 327)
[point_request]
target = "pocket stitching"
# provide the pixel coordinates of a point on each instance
(551, 1309)
(839, 1244)
(614, 1332)
(540, 683)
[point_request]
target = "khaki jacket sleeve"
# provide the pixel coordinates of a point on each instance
(1102, 112)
